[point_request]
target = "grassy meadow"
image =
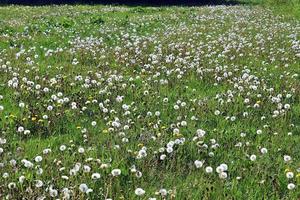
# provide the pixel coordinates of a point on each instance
(115, 102)
(289, 8)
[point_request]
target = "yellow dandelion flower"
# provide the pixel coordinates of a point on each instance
(105, 131)
(177, 134)
(287, 170)
(140, 145)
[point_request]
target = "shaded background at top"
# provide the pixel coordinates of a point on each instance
(122, 2)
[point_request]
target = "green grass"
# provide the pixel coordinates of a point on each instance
(289, 8)
(187, 63)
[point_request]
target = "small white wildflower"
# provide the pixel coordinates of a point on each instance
(223, 175)
(83, 187)
(163, 192)
(80, 150)
(116, 172)
(96, 176)
(264, 150)
(139, 191)
(208, 169)
(253, 157)
(38, 159)
(289, 175)
(39, 183)
(287, 158)
(291, 186)
(94, 123)
(53, 192)
(62, 147)
(21, 179)
(198, 163)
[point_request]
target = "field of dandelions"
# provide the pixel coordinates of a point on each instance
(100, 102)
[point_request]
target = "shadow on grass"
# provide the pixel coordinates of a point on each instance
(155, 3)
